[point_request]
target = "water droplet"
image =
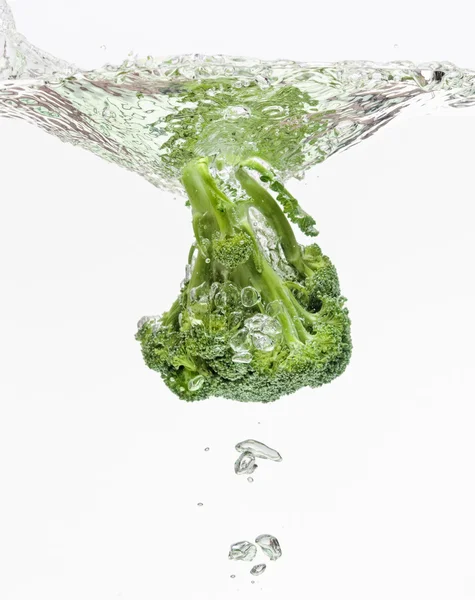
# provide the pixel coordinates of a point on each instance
(245, 464)
(196, 383)
(242, 551)
(258, 569)
(103, 47)
(259, 450)
(200, 503)
(232, 576)
(270, 546)
(250, 479)
(250, 296)
(206, 449)
(207, 261)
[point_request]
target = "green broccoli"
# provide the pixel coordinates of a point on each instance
(258, 316)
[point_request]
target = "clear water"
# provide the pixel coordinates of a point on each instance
(152, 115)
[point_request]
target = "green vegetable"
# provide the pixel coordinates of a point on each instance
(259, 316)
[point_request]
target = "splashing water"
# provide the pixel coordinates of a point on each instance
(152, 116)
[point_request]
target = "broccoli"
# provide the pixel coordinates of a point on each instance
(258, 316)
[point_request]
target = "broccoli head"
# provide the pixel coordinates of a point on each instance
(258, 316)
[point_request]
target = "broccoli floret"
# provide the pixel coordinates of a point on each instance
(232, 251)
(243, 327)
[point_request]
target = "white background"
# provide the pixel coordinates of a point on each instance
(101, 468)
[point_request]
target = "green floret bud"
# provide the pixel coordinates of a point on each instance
(323, 280)
(231, 251)
(242, 327)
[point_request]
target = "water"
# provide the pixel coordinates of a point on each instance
(259, 450)
(242, 551)
(153, 115)
(270, 546)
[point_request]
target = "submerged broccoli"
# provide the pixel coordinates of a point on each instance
(258, 316)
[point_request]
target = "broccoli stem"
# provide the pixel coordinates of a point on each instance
(200, 272)
(214, 213)
(271, 288)
(170, 318)
(290, 205)
(268, 207)
(211, 208)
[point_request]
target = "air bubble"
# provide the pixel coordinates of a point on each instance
(242, 357)
(240, 341)
(250, 296)
(196, 383)
(258, 569)
(245, 464)
(262, 342)
(259, 450)
(270, 546)
(242, 551)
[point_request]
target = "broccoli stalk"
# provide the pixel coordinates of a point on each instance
(259, 316)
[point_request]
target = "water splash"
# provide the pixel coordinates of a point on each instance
(153, 115)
